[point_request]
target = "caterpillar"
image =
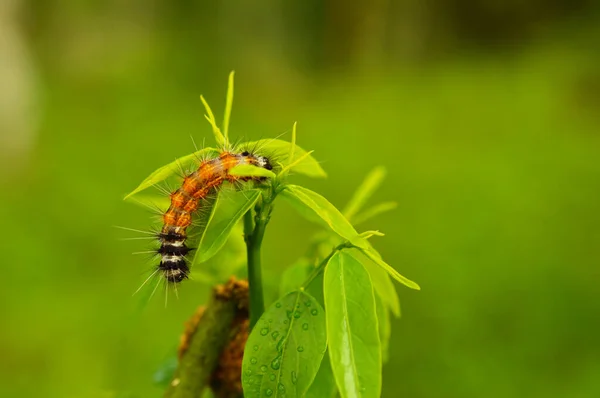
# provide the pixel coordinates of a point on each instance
(189, 199)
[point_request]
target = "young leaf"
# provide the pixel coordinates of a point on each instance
(318, 209)
(364, 191)
(284, 350)
(248, 170)
(228, 105)
(228, 210)
(219, 137)
(352, 328)
(281, 150)
(324, 384)
(385, 328)
(373, 255)
(168, 170)
(374, 211)
(381, 282)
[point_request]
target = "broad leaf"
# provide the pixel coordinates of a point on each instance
(352, 327)
(324, 384)
(381, 281)
(280, 150)
(284, 350)
(168, 170)
(365, 190)
(318, 209)
(228, 211)
(373, 255)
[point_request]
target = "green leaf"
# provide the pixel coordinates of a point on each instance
(219, 137)
(248, 170)
(285, 348)
(374, 211)
(373, 255)
(324, 384)
(381, 281)
(352, 328)
(294, 276)
(370, 184)
(280, 150)
(230, 260)
(385, 328)
(168, 170)
(228, 106)
(229, 209)
(318, 209)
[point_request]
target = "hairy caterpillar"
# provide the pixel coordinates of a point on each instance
(189, 199)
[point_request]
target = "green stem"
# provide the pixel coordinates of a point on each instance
(319, 268)
(254, 232)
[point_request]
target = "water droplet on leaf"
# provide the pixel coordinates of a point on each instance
(300, 348)
(253, 361)
(275, 334)
(314, 311)
(268, 392)
(276, 363)
(305, 326)
(264, 331)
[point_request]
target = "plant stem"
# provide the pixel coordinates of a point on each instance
(254, 232)
(319, 268)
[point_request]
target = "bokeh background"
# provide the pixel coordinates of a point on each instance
(486, 114)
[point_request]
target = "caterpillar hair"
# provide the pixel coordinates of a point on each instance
(192, 197)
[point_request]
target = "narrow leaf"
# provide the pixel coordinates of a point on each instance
(248, 170)
(176, 166)
(370, 184)
(228, 211)
(318, 209)
(280, 150)
(228, 106)
(219, 137)
(352, 328)
(291, 154)
(373, 255)
(284, 350)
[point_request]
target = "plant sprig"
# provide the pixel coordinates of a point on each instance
(357, 286)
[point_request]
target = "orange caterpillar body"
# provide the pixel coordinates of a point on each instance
(188, 199)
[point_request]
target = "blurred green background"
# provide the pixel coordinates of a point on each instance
(486, 114)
